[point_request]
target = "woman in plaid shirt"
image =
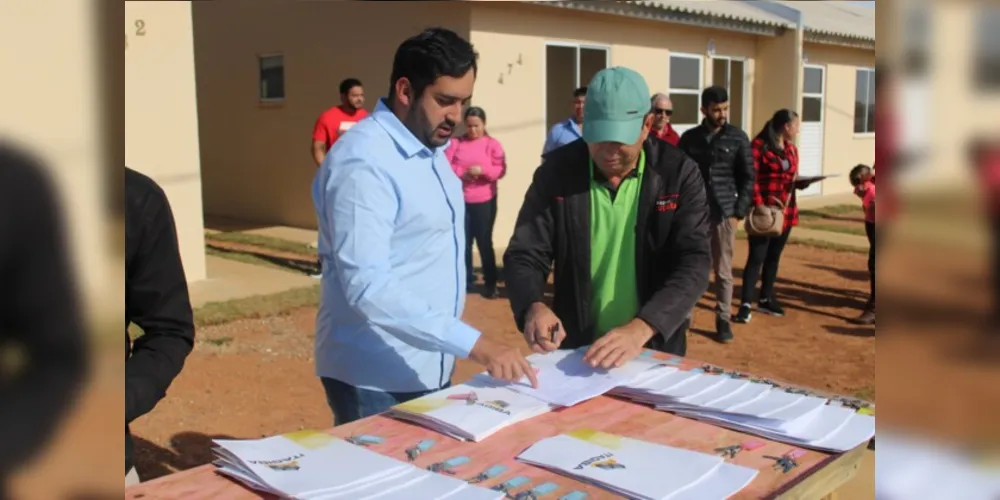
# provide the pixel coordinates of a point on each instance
(776, 161)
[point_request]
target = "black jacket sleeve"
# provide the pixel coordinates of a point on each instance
(156, 299)
(688, 254)
(528, 260)
(745, 177)
(39, 312)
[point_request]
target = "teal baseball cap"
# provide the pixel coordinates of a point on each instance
(617, 104)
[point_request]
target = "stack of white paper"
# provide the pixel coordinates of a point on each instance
(637, 469)
(314, 466)
(754, 408)
(565, 379)
(471, 411)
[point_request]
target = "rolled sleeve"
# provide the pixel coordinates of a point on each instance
(363, 205)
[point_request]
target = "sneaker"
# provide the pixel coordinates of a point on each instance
(866, 319)
(492, 293)
(724, 332)
(772, 307)
(745, 314)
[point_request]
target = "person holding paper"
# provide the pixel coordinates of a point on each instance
(776, 162)
(626, 222)
(392, 236)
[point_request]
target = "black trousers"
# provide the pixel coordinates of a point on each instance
(479, 221)
(765, 254)
(870, 230)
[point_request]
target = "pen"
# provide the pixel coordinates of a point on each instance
(552, 333)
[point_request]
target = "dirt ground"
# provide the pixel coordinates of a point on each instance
(255, 378)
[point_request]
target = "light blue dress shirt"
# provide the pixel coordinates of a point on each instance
(392, 236)
(562, 134)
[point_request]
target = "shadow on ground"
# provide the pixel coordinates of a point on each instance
(301, 266)
(187, 451)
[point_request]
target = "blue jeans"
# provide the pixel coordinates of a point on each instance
(350, 403)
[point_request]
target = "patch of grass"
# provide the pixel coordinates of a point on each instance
(833, 228)
(814, 243)
(134, 331)
(866, 394)
(261, 306)
(218, 342)
(833, 210)
(827, 245)
(276, 244)
(245, 258)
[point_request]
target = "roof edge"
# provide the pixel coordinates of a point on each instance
(647, 11)
(842, 40)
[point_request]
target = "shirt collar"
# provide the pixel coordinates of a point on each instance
(571, 124)
(407, 142)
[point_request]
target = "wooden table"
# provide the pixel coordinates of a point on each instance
(818, 475)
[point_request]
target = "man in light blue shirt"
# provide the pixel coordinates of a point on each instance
(391, 216)
(571, 129)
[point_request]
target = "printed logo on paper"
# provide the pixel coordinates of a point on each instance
(496, 405)
(289, 464)
(604, 461)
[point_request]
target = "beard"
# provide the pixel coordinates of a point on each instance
(718, 123)
(427, 132)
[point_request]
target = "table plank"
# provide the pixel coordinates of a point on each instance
(818, 475)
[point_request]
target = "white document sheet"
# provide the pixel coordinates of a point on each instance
(471, 411)
(633, 468)
(564, 379)
(287, 466)
(724, 482)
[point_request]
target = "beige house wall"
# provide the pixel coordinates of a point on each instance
(257, 164)
(842, 148)
(968, 112)
(50, 108)
(777, 80)
(161, 120)
(506, 33)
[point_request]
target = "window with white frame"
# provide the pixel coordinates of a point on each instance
(987, 60)
(864, 102)
(686, 82)
(272, 77)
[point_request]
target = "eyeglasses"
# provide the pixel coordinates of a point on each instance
(668, 112)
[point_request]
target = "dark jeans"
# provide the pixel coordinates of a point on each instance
(479, 221)
(870, 230)
(764, 253)
(350, 403)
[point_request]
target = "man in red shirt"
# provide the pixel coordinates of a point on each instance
(338, 119)
(663, 110)
(333, 123)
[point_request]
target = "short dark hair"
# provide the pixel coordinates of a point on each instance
(348, 84)
(580, 92)
(477, 112)
(434, 53)
(714, 95)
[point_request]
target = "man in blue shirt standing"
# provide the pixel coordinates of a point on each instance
(571, 129)
(391, 216)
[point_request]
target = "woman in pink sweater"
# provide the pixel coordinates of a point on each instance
(480, 162)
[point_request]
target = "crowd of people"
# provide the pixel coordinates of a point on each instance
(626, 216)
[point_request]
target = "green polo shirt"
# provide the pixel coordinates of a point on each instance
(612, 248)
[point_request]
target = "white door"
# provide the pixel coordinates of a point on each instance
(811, 134)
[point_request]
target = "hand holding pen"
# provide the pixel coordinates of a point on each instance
(542, 329)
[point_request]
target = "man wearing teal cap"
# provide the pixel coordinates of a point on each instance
(626, 223)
